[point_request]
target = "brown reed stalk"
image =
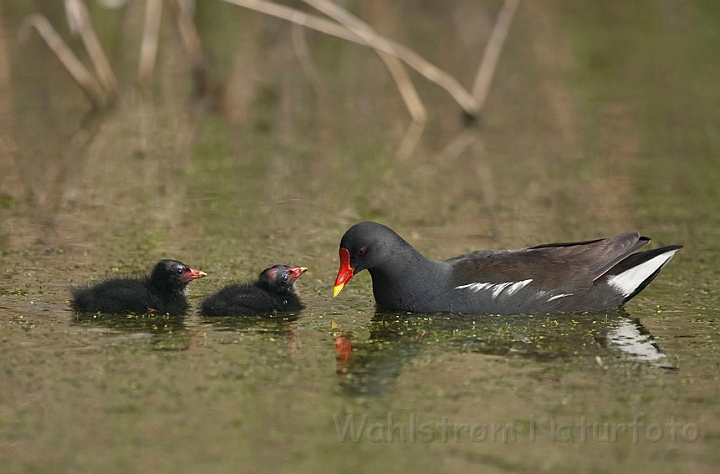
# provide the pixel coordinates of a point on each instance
(79, 22)
(191, 41)
(82, 76)
(149, 45)
(379, 44)
(411, 58)
(486, 71)
(303, 54)
(188, 33)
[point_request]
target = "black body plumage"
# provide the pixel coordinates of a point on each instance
(162, 292)
(273, 292)
(560, 277)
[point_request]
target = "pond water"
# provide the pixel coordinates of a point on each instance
(602, 118)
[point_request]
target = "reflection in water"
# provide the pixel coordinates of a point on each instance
(277, 327)
(278, 324)
(164, 331)
(575, 143)
(369, 367)
(637, 344)
(171, 333)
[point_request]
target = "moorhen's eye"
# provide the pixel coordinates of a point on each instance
(361, 251)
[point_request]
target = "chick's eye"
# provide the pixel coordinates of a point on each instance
(361, 251)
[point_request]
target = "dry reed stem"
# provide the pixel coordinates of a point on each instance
(10, 183)
(189, 34)
(405, 86)
(458, 145)
(481, 87)
(303, 54)
(191, 42)
(492, 52)
(82, 76)
(149, 46)
(411, 58)
(79, 22)
(377, 42)
(410, 140)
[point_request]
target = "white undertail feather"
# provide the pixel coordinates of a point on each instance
(629, 280)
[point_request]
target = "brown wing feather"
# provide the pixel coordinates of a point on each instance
(549, 265)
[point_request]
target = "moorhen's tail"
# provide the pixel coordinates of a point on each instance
(635, 272)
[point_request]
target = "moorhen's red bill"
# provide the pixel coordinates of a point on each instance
(566, 277)
(273, 292)
(162, 292)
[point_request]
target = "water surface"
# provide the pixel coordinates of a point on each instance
(603, 118)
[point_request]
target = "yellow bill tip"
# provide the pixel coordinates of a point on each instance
(337, 289)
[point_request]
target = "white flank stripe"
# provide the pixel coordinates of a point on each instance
(628, 281)
(509, 288)
(474, 286)
(517, 286)
(499, 288)
(562, 295)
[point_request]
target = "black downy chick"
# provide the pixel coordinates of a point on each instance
(163, 292)
(273, 292)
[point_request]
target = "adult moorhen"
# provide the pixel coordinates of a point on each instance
(273, 292)
(566, 277)
(162, 292)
